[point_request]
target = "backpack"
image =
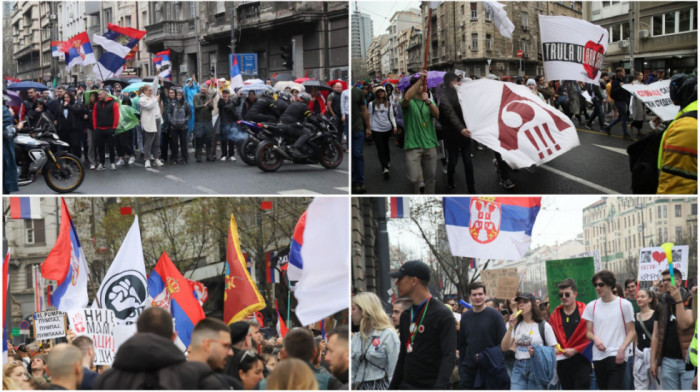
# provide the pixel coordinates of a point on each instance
(644, 157)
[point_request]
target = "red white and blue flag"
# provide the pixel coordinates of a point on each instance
(66, 264)
(167, 74)
(296, 264)
(25, 208)
(399, 207)
(172, 291)
(281, 326)
(117, 42)
(271, 273)
(490, 228)
(158, 61)
(56, 48)
(78, 51)
(235, 71)
(164, 57)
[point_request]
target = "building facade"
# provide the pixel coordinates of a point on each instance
(400, 22)
(33, 26)
(362, 30)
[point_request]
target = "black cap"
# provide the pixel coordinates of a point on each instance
(527, 296)
(239, 330)
(412, 268)
(450, 76)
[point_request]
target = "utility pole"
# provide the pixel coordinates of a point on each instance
(199, 42)
(383, 281)
(233, 33)
(53, 31)
(631, 38)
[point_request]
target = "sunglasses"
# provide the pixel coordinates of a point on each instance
(599, 284)
(562, 295)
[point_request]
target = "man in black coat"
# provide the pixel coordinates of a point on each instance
(622, 99)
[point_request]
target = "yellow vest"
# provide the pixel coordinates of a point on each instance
(693, 351)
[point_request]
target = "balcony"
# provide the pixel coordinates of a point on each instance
(174, 33)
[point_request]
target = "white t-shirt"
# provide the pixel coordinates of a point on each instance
(528, 334)
(608, 325)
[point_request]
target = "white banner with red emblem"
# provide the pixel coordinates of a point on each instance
(572, 49)
(657, 97)
(510, 119)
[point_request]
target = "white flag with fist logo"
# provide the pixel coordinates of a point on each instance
(124, 288)
(510, 119)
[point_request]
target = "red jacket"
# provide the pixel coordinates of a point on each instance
(99, 112)
(578, 340)
(321, 103)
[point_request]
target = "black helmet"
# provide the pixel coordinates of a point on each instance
(285, 95)
(683, 89)
(305, 97)
(268, 93)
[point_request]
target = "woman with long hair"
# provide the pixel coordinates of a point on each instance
(151, 121)
(17, 375)
(522, 335)
(250, 369)
(68, 123)
(375, 348)
(292, 374)
(91, 149)
(644, 326)
(382, 123)
(638, 108)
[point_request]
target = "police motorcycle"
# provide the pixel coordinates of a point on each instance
(247, 148)
(38, 150)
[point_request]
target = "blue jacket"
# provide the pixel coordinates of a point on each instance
(544, 362)
(492, 373)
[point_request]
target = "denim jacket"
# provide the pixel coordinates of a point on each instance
(544, 363)
(375, 358)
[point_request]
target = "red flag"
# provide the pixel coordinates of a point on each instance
(55, 267)
(241, 295)
(265, 205)
(5, 284)
(281, 326)
(260, 319)
(125, 210)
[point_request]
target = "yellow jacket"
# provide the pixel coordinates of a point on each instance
(678, 155)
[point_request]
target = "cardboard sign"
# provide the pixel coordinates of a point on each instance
(653, 260)
(49, 325)
(99, 325)
(581, 270)
(507, 287)
(490, 278)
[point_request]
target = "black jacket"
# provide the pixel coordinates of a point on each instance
(262, 106)
(227, 110)
(296, 112)
(74, 121)
(280, 106)
(617, 92)
(149, 361)
(451, 117)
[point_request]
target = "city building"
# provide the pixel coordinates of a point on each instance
(362, 33)
(414, 53)
(664, 34)
(34, 26)
(400, 22)
(8, 61)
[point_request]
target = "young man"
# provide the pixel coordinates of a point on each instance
(65, 367)
(87, 348)
(622, 99)
(211, 345)
(400, 306)
(479, 329)
(673, 331)
(338, 355)
(610, 326)
(427, 333)
(574, 370)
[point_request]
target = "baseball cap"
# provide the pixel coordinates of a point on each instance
(527, 296)
(412, 268)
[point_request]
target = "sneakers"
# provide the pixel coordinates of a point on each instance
(132, 160)
(159, 162)
(100, 167)
(386, 172)
(232, 158)
(113, 166)
(507, 184)
(223, 159)
(92, 166)
(587, 126)
(147, 164)
(607, 129)
(120, 162)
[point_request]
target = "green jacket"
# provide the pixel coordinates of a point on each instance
(128, 119)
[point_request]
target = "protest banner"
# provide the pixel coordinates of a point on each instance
(653, 260)
(595, 254)
(581, 270)
(49, 325)
(572, 49)
(507, 287)
(99, 325)
(657, 97)
(490, 279)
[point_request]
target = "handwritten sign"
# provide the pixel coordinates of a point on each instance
(490, 278)
(49, 325)
(99, 325)
(507, 287)
(653, 260)
(656, 97)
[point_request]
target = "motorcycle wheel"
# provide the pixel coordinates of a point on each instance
(331, 156)
(68, 177)
(267, 158)
(247, 151)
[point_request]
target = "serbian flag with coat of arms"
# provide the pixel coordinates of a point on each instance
(171, 291)
(78, 51)
(511, 120)
(241, 295)
(490, 228)
(117, 42)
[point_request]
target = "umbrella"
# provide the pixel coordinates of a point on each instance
(134, 87)
(392, 81)
(302, 80)
(434, 80)
(27, 85)
(282, 77)
(280, 86)
(255, 87)
(15, 99)
(252, 82)
(342, 82)
(316, 83)
(163, 82)
(122, 81)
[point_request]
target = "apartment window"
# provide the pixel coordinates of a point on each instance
(657, 25)
(442, 22)
(127, 21)
(665, 212)
(488, 13)
(524, 46)
(474, 13)
(694, 209)
(488, 41)
(524, 19)
(34, 231)
(679, 211)
(661, 238)
(669, 22)
(475, 42)
(665, 234)
(658, 212)
(679, 233)
(673, 22)
(220, 7)
(685, 20)
(462, 9)
(29, 276)
(108, 15)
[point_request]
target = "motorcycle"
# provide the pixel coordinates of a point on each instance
(247, 148)
(323, 147)
(39, 150)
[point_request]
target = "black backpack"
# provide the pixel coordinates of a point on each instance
(644, 156)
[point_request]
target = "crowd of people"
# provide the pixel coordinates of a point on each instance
(220, 356)
(158, 125)
(430, 126)
(627, 338)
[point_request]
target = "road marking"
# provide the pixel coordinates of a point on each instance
(174, 178)
(153, 170)
(342, 188)
(298, 192)
(332, 170)
(580, 180)
(205, 190)
(613, 149)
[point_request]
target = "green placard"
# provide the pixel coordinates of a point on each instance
(15, 331)
(580, 270)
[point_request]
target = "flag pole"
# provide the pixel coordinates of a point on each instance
(289, 298)
(92, 285)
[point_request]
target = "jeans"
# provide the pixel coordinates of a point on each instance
(674, 376)
(203, 136)
(420, 164)
(628, 383)
(467, 376)
(519, 380)
(178, 142)
(358, 163)
(621, 117)
(453, 153)
(597, 112)
(103, 136)
(381, 140)
(608, 374)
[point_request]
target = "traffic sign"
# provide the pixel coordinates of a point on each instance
(520, 53)
(15, 331)
(24, 325)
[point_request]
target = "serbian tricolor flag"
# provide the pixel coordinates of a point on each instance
(25, 208)
(56, 48)
(78, 51)
(117, 42)
(66, 264)
(296, 264)
(167, 74)
(165, 57)
(158, 61)
(577, 340)
(271, 273)
(490, 228)
(235, 71)
(281, 326)
(170, 290)
(241, 295)
(472, 263)
(399, 207)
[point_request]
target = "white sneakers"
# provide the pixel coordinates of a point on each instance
(113, 166)
(147, 165)
(120, 162)
(132, 160)
(159, 163)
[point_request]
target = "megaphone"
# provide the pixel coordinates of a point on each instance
(667, 247)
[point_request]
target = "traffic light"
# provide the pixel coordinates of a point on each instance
(287, 56)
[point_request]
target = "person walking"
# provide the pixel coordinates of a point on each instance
(643, 326)
(638, 109)
(151, 121)
(622, 99)
(382, 124)
(457, 136)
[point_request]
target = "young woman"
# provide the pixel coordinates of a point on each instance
(292, 374)
(18, 374)
(382, 123)
(638, 108)
(375, 349)
(644, 326)
(522, 335)
(250, 369)
(91, 150)
(128, 121)
(68, 123)
(151, 121)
